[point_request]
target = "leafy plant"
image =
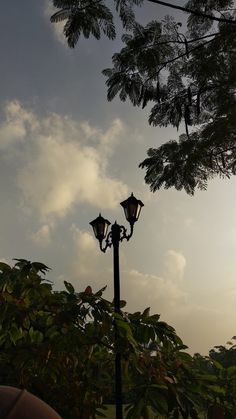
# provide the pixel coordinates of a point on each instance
(177, 72)
(60, 346)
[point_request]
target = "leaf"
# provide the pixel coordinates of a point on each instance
(15, 334)
(52, 332)
(99, 292)
(158, 386)
(4, 267)
(158, 402)
(40, 267)
(231, 370)
(9, 287)
(169, 379)
(184, 356)
(49, 320)
(69, 287)
(88, 290)
(137, 409)
(100, 414)
(146, 312)
(26, 323)
(217, 389)
(37, 337)
(217, 365)
(122, 303)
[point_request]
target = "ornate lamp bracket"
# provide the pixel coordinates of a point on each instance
(108, 243)
(123, 233)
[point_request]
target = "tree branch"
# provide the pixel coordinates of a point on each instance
(190, 41)
(194, 12)
(163, 65)
(223, 151)
(202, 37)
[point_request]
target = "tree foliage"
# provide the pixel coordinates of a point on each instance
(188, 77)
(221, 363)
(48, 343)
(92, 17)
(60, 346)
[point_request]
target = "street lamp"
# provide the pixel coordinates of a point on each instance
(118, 233)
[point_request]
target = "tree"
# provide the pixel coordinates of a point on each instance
(59, 345)
(223, 359)
(220, 364)
(48, 345)
(181, 74)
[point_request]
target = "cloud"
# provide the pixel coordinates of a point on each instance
(42, 236)
(57, 28)
(86, 252)
(175, 264)
(17, 121)
(139, 289)
(202, 327)
(199, 326)
(4, 260)
(148, 290)
(65, 163)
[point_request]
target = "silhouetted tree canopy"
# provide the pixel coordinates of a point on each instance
(188, 77)
(59, 345)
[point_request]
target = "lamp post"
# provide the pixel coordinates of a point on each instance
(118, 233)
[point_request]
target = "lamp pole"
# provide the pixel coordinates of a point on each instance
(115, 231)
(118, 233)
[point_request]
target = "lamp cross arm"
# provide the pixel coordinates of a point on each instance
(108, 242)
(123, 232)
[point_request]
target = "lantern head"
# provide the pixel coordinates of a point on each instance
(132, 208)
(100, 226)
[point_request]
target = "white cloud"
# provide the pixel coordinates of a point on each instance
(175, 264)
(42, 236)
(86, 252)
(17, 121)
(200, 326)
(57, 28)
(145, 290)
(65, 162)
(139, 289)
(4, 260)
(85, 242)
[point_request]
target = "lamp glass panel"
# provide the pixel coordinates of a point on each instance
(100, 228)
(132, 209)
(103, 229)
(138, 209)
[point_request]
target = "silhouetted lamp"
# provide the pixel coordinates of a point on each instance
(117, 234)
(132, 208)
(100, 226)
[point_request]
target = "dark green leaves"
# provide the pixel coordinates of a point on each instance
(60, 345)
(177, 165)
(92, 17)
(4, 267)
(189, 84)
(69, 287)
(85, 18)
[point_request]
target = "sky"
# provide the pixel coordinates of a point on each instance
(66, 154)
